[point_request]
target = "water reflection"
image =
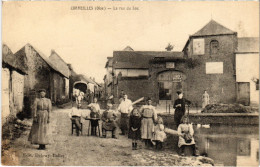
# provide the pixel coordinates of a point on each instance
(229, 145)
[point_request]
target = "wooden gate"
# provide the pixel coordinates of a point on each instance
(243, 93)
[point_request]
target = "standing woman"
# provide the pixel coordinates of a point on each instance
(179, 106)
(39, 133)
(205, 99)
(149, 114)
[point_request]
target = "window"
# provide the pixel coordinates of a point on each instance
(198, 46)
(214, 68)
(214, 47)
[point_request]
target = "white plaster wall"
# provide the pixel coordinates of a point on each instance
(5, 94)
(247, 68)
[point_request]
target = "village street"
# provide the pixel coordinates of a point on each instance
(87, 150)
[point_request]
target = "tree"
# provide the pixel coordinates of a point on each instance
(169, 47)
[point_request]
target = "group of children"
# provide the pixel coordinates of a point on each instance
(135, 119)
(185, 132)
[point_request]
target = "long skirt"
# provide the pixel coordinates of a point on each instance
(147, 128)
(40, 132)
(124, 122)
(177, 117)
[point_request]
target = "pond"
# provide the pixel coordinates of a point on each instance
(226, 145)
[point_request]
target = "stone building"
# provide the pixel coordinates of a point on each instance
(13, 72)
(212, 50)
(64, 69)
(207, 62)
(42, 74)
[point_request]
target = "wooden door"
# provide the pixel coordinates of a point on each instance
(243, 93)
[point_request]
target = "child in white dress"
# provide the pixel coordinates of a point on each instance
(159, 134)
(185, 133)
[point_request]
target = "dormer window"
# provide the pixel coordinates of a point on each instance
(214, 45)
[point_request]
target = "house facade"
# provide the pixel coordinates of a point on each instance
(42, 74)
(13, 73)
(60, 64)
(247, 70)
(207, 62)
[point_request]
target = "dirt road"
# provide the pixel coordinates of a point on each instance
(71, 150)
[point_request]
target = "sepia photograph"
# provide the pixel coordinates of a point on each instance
(130, 83)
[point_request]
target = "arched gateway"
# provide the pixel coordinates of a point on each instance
(168, 83)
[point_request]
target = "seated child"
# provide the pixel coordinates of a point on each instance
(94, 114)
(185, 133)
(159, 134)
(134, 127)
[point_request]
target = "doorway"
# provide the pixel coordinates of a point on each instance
(243, 93)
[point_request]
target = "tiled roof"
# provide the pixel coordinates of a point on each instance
(60, 64)
(248, 44)
(45, 58)
(213, 28)
(140, 59)
(128, 48)
(15, 62)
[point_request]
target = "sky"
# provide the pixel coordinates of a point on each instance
(85, 38)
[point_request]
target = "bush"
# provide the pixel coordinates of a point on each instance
(229, 108)
(62, 101)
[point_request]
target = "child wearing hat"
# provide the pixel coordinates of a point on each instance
(134, 127)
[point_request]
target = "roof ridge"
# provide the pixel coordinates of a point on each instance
(46, 59)
(219, 27)
(53, 51)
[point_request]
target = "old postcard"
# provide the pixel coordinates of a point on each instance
(130, 83)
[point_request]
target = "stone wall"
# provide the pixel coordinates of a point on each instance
(220, 87)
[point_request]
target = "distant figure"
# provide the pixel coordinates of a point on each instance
(185, 133)
(179, 106)
(125, 107)
(90, 96)
(79, 97)
(205, 99)
(39, 133)
(149, 114)
(121, 96)
(135, 127)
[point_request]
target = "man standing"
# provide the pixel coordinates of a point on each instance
(125, 107)
(75, 116)
(179, 106)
